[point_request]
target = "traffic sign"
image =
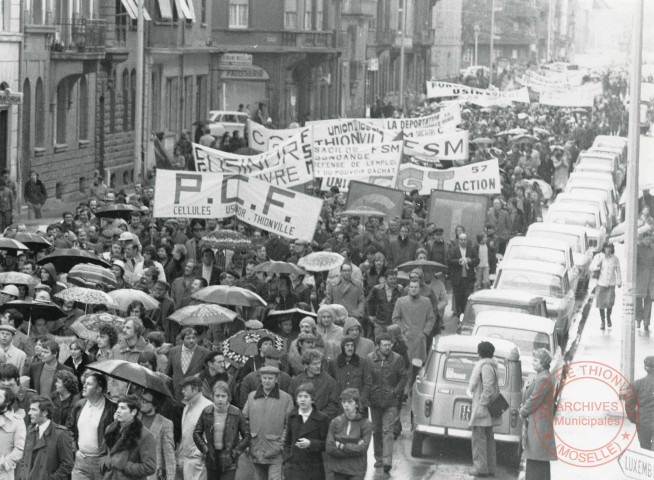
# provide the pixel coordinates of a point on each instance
(637, 463)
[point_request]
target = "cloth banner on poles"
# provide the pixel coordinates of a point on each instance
(577, 98)
(263, 139)
(449, 146)
(472, 95)
(376, 164)
(387, 200)
(215, 195)
(348, 132)
(442, 122)
(539, 83)
(287, 165)
(482, 178)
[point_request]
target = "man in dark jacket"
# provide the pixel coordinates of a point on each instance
(131, 449)
(381, 301)
(351, 371)
(462, 262)
(326, 398)
(389, 377)
(43, 374)
(48, 448)
(35, 194)
(403, 249)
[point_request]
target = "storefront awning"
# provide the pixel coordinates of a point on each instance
(165, 7)
(133, 10)
(185, 9)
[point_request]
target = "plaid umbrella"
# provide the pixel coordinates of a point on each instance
(89, 275)
(33, 241)
(18, 278)
(133, 373)
(88, 326)
(282, 268)
(243, 345)
(12, 245)
(116, 210)
(226, 295)
(64, 259)
(86, 295)
(203, 314)
(124, 296)
(229, 239)
(321, 261)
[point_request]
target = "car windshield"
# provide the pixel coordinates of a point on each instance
(526, 340)
(567, 217)
(571, 239)
(458, 368)
(603, 163)
(541, 254)
(477, 308)
(533, 282)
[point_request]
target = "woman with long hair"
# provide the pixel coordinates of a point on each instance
(377, 269)
(78, 359)
(607, 266)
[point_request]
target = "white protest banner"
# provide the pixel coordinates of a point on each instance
(482, 178)
(576, 98)
(538, 82)
(472, 95)
(192, 195)
(278, 210)
(444, 121)
(449, 146)
(263, 139)
(348, 132)
(287, 165)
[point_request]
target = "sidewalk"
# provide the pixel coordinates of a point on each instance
(596, 345)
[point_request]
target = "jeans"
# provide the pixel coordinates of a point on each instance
(484, 455)
(482, 280)
(265, 471)
(36, 208)
(194, 468)
(644, 309)
(86, 468)
(383, 423)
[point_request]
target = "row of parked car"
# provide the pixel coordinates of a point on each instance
(531, 304)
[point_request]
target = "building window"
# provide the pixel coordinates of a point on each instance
(155, 95)
(61, 112)
(201, 111)
(239, 13)
(172, 104)
(188, 102)
(125, 85)
(319, 16)
(83, 109)
(132, 88)
(290, 14)
(308, 14)
(203, 11)
(112, 103)
(39, 118)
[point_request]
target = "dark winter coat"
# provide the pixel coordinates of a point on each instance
(49, 457)
(236, 438)
(327, 393)
(354, 373)
(379, 307)
(131, 452)
(305, 464)
(105, 419)
(35, 192)
(389, 377)
(352, 458)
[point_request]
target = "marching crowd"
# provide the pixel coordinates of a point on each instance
(305, 408)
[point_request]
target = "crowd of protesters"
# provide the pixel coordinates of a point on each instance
(306, 411)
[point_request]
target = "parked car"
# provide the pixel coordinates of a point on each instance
(620, 151)
(547, 280)
(543, 250)
(582, 216)
(609, 163)
(527, 332)
(584, 187)
(224, 121)
(440, 406)
(576, 237)
(500, 301)
(594, 198)
(611, 141)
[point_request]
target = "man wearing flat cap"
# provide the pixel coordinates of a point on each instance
(644, 391)
(13, 355)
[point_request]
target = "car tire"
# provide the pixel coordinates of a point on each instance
(417, 440)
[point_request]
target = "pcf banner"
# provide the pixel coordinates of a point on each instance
(263, 139)
(471, 94)
(482, 178)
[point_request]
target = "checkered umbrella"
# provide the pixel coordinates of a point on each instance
(243, 345)
(88, 326)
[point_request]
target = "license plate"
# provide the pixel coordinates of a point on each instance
(465, 410)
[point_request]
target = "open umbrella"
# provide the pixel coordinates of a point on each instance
(280, 268)
(542, 132)
(520, 139)
(133, 373)
(544, 187)
(203, 314)
(243, 345)
(86, 295)
(89, 275)
(64, 259)
(295, 314)
(116, 210)
(321, 261)
(88, 326)
(424, 265)
(124, 296)
(363, 211)
(12, 246)
(226, 295)
(33, 309)
(33, 241)
(226, 239)
(513, 131)
(18, 278)
(483, 141)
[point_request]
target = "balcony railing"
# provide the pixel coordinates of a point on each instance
(307, 39)
(79, 35)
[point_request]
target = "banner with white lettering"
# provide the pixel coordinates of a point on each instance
(473, 95)
(263, 139)
(444, 121)
(215, 195)
(576, 98)
(376, 164)
(348, 132)
(287, 165)
(449, 146)
(482, 178)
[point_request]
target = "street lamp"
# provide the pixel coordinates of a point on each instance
(476, 44)
(492, 35)
(403, 3)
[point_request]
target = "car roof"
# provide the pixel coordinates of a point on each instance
(556, 227)
(469, 343)
(539, 242)
(593, 196)
(522, 321)
(600, 177)
(211, 112)
(573, 207)
(505, 296)
(610, 139)
(598, 155)
(533, 266)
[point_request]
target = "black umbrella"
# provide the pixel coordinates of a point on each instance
(133, 373)
(33, 309)
(116, 210)
(33, 241)
(64, 259)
